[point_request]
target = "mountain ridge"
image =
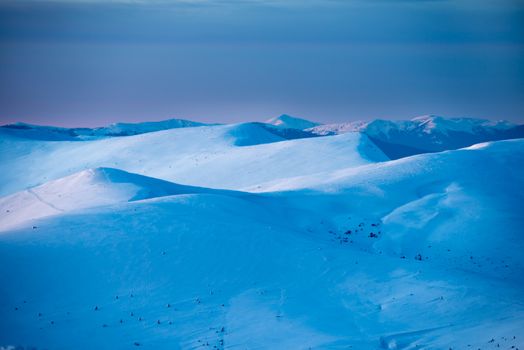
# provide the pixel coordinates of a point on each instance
(397, 138)
(424, 134)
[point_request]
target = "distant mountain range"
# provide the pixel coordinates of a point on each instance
(400, 138)
(396, 138)
(116, 129)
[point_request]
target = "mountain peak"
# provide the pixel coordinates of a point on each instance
(289, 122)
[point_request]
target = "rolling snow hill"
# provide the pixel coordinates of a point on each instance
(86, 189)
(225, 156)
(436, 205)
(296, 268)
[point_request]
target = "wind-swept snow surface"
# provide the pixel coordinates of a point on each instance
(332, 247)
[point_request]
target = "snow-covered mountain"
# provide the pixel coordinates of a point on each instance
(426, 133)
(288, 122)
(117, 129)
(324, 243)
(127, 129)
(396, 138)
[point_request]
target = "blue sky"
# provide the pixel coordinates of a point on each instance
(88, 63)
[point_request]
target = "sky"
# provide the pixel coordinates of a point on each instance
(92, 63)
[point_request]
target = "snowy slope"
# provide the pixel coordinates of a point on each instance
(426, 133)
(86, 189)
(227, 156)
(274, 270)
(461, 208)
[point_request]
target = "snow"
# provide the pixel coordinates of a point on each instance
(469, 125)
(325, 244)
(34, 132)
(429, 133)
(339, 128)
(117, 129)
(141, 128)
(86, 189)
(286, 121)
(186, 155)
(426, 123)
